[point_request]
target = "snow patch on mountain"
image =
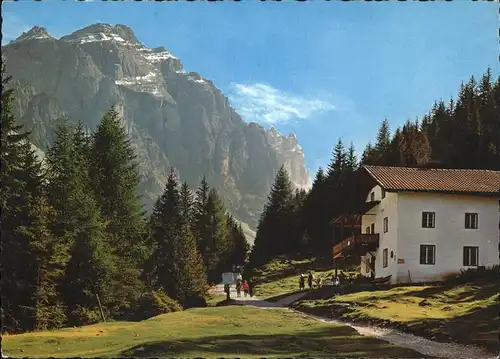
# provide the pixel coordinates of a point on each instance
(147, 83)
(35, 33)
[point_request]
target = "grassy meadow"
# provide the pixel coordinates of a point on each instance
(206, 332)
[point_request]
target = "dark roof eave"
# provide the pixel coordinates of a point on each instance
(479, 194)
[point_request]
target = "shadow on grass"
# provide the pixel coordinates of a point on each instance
(327, 341)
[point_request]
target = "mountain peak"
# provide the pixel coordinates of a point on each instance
(103, 32)
(36, 32)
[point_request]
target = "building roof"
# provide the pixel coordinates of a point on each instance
(466, 181)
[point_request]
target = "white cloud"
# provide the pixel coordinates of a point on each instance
(262, 103)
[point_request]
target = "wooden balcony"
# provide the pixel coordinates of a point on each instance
(359, 244)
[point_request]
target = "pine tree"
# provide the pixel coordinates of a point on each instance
(337, 162)
(187, 204)
(115, 178)
(274, 234)
(20, 191)
(90, 268)
(351, 162)
(176, 266)
(201, 217)
(165, 231)
(51, 258)
(216, 240)
(191, 276)
(383, 142)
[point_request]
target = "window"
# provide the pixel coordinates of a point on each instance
(383, 193)
(471, 220)
(368, 230)
(386, 224)
(428, 219)
(385, 258)
(471, 256)
(427, 254)
(372, 196)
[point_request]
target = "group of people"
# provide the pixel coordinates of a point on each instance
(311, 280)
(245, 285)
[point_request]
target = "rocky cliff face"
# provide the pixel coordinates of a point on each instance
(175, 118)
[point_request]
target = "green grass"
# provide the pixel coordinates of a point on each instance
(280, 276)
(205, 332)
(463, 313)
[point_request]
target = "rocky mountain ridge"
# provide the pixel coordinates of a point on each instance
(175, 118)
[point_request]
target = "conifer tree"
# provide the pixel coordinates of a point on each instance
(201, 217)
(90, 268)
(337, 162)
(51, 256)
(165, 231)
(216, 232)
(191, 276)
(383, 142)
(20, 191)
(115, 178)
(187, 204)
(274, 234)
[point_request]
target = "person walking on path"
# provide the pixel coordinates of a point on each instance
(310, 279)
(302, 282)
(227, 290)
(245, 289)
(238, 287)
(250, 287)
(319, 282)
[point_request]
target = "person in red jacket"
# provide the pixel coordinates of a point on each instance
(245, 288)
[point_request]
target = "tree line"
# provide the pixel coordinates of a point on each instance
(74, 232)
(464, 133)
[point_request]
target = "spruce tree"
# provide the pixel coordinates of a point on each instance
(20, 191)
(274, 235)
(201, 217)
(382, 143)
(337, 162)
(115, 179)
(191, 276)
(165, 231)
(51, 258)
(187, 204)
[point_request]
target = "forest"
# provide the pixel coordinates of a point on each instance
(74, 234)
(463, 133)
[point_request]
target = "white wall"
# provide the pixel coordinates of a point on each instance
(449, 234)
(388, 207)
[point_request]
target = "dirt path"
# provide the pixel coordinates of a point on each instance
(419, 344)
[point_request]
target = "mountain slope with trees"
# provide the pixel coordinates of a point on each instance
(74, 235)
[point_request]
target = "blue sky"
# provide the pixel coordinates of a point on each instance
(321, 69)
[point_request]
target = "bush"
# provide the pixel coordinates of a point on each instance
(85, 316)
(154, 303)
(473, 275)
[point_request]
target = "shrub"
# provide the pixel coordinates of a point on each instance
(85, 316)
(154, 303)
(473, 275)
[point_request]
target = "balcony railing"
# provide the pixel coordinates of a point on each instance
(360, 243)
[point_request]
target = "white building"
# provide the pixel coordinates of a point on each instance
(424, 224)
